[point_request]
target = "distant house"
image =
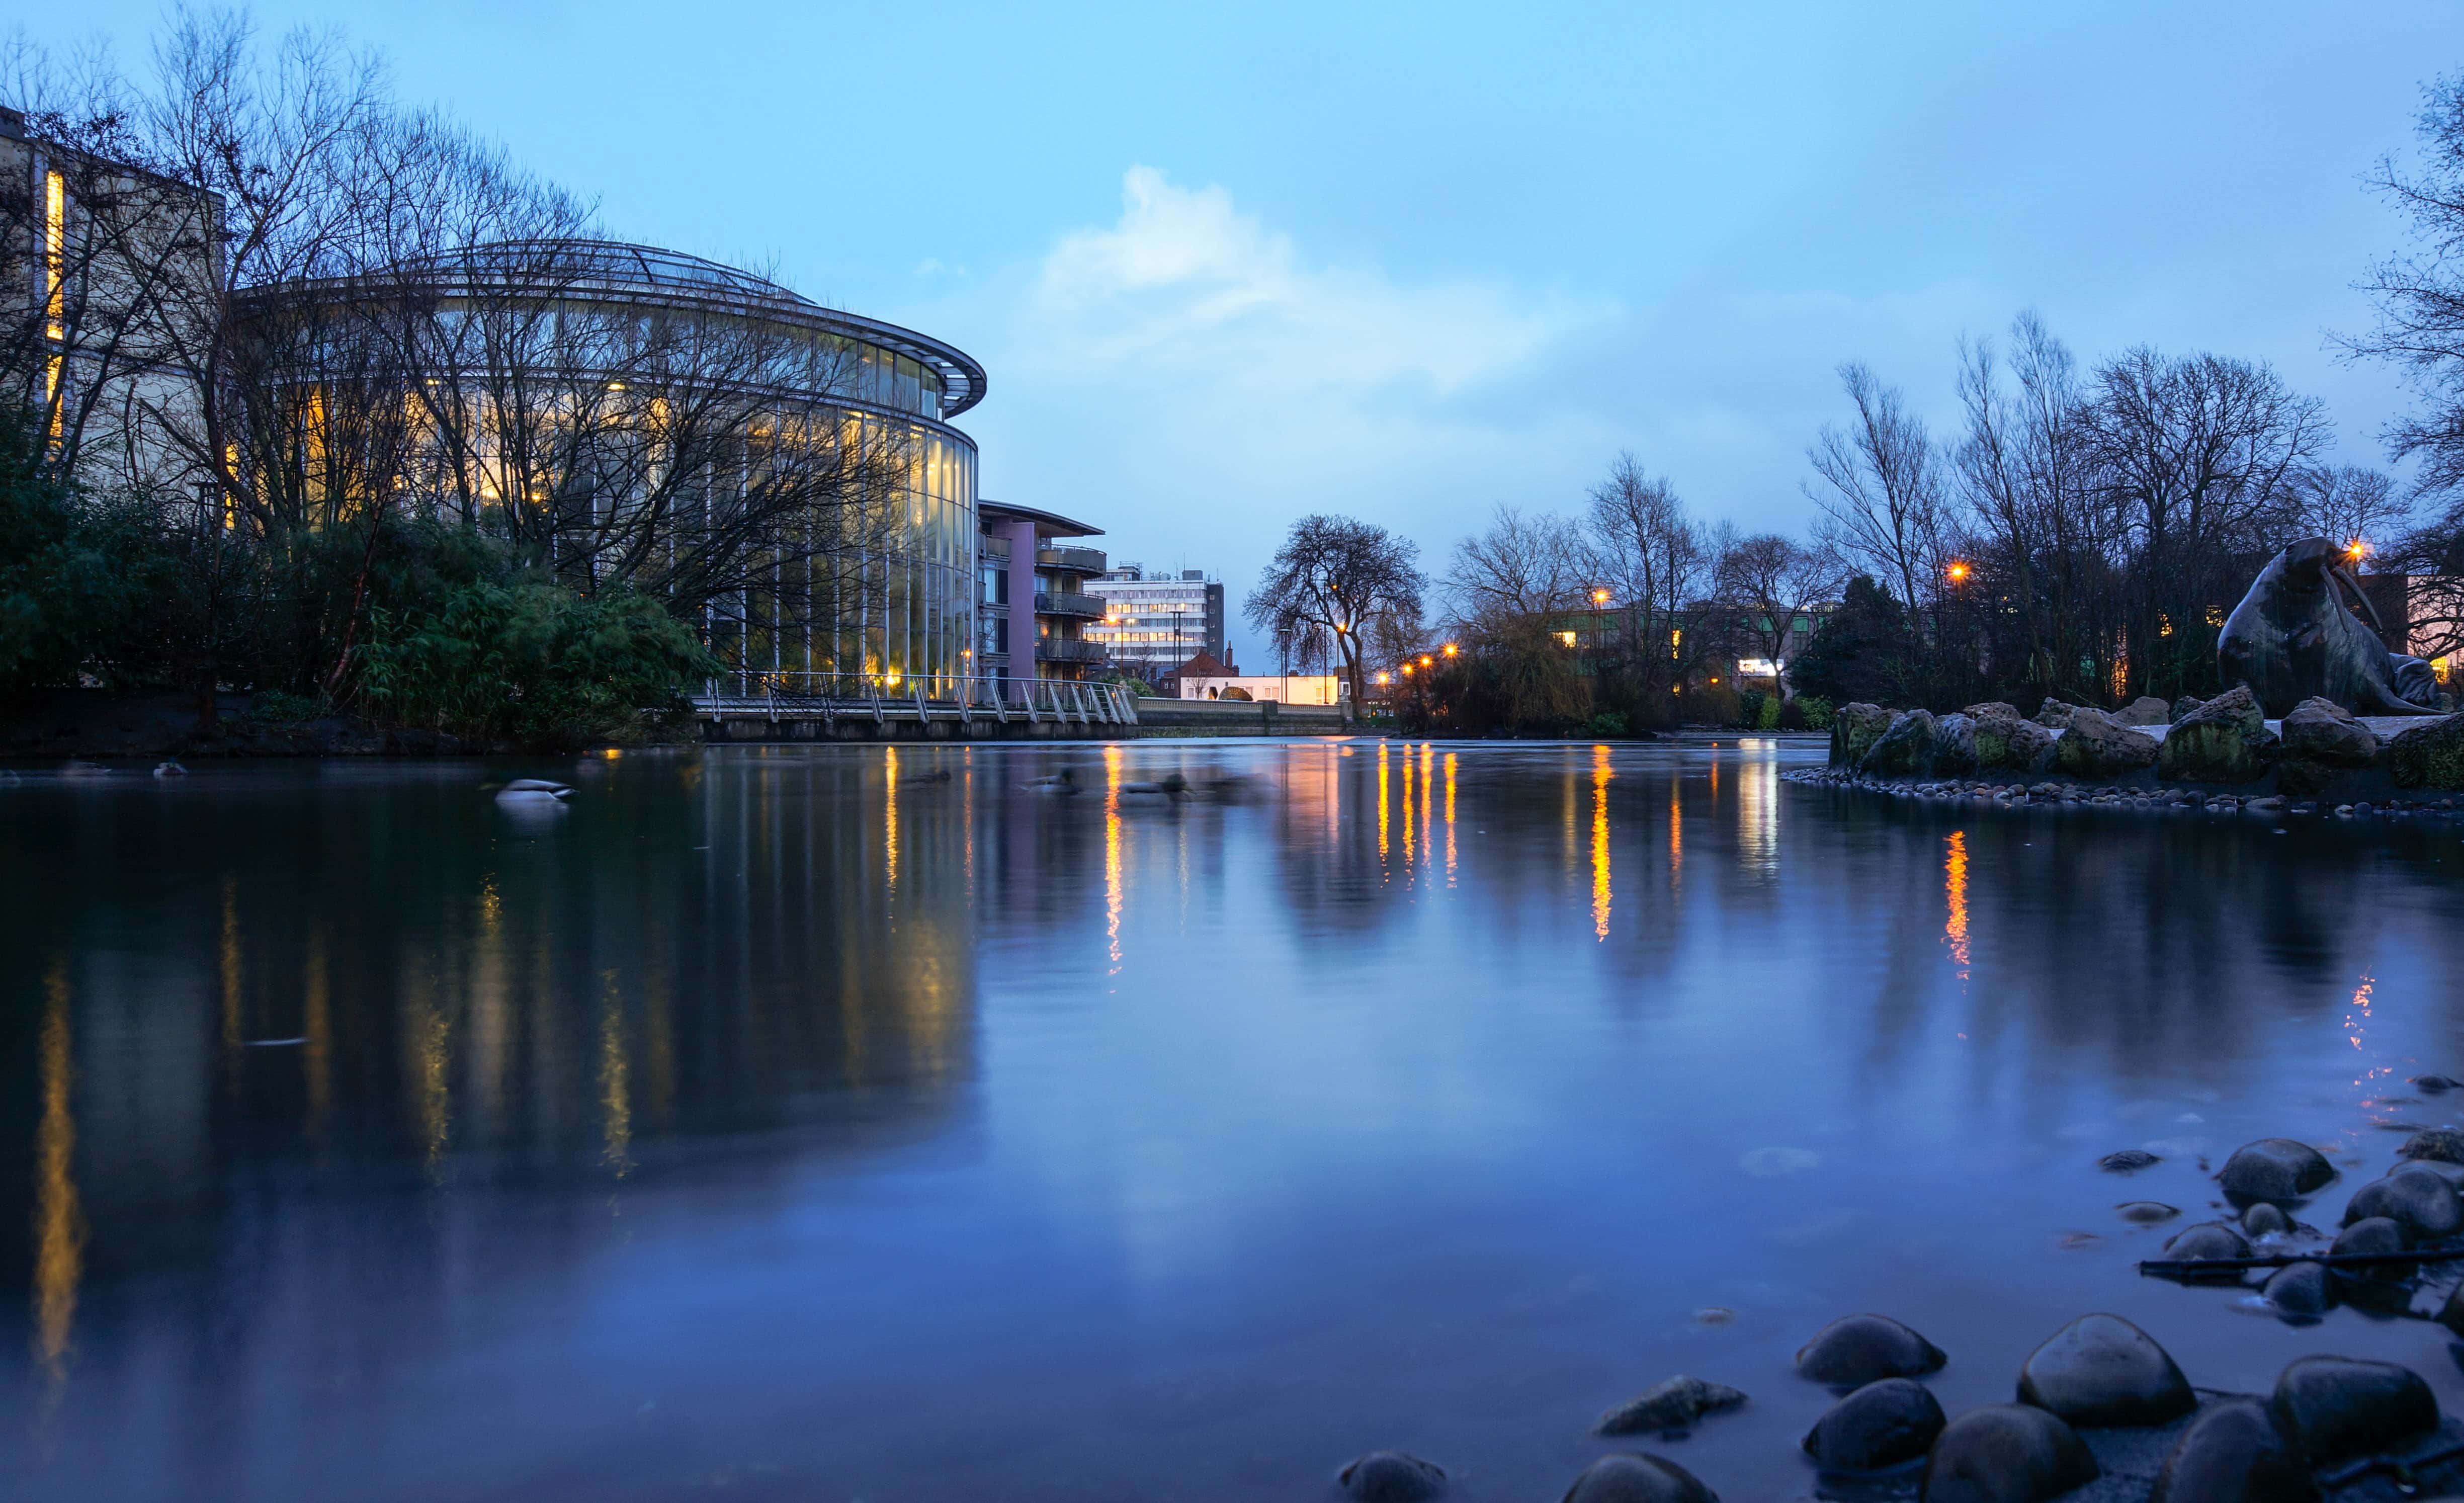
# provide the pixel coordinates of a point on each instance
(1206, 676)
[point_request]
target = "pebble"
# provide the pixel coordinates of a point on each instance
(2301, 1290)
(2331, 1407)
(2102, 1370)
(1638, 1477)
(2232, 1455)
(1882, 1424)
(2148, 1213)
(1856, 1350)
(2264, 1220)
(2273, 1169)
(1392, 1476)
(2006, 1453)
(1672, 1405)
(2127, 1160)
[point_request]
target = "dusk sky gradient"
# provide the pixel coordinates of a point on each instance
(1229, 265)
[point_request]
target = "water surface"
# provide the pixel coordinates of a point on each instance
(780, 1124)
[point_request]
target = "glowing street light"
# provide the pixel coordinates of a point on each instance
(1957, 572)
(1600, 597)
(1450, 650)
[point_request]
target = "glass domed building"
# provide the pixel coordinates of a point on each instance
(787, 472)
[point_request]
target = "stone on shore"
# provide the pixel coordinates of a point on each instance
(2443, 1144)
(1857, 1350)
(2148, 1213)
(1854, 728)
(1882, 1424)
(2223, 740)
(2127, 1160)
(1672, 1405)
(1955, 752)
(2414, 1197)
(2013, 745)
(2184, 705)
(2302, 1291)
(2095, 745)
(2375, 1236)
(2208, 1239)
(2234, 1454)
(2273, 1169)
(1392, 1476)
(2054, 715)
(2145, 710)
(2429, 754)
(2324, 731)
(1906, 750)
(1638, 1477)
(1990, 710)
(2006, 1453)
(2102, 1370)
(2264, 1218)
(2331, 1408)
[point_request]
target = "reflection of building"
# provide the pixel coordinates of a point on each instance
(1153, 623)
(1032, 588)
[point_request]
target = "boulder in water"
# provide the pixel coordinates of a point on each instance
(1638, 1477)
(1857, 1350)
(2429, 754)
(2443, 1144)
(2146, 1213)
(1906, 750)
(2097, 746)
(1672, 1405)
(2301, 1290)
(1882, 1424)
(2373, 1236)
(2330, 1408)
(2416, 1197)
(2102, 1370)
(2276, 1169)
(2223, 740)
(2232, 1455)
(1854, 728)
(2208, 1239)
(1392, 1476)
(2006, 1453)
(2264, 1218)
(2127, 1160)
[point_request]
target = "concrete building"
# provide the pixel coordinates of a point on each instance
(1153, 623)
(1204, 676)
(1033, 587)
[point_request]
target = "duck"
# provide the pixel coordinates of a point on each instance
(170, 769)
(533, 790)
(1064, 782)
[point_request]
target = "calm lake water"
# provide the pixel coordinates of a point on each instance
(771, 1124)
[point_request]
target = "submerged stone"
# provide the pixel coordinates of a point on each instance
(2127, 1160)
(2443, 1144)
(2264, 1218)
(1883, 1424)
(2148, 1213)
(1672, 1405)
(1638, 1477)
(2302, 1291)
(2102, 1370)
(2273, 1169)
(2329, 1408)
(1857, 1350)
(2006, 1453)
(1391, 1476)
(2208, 1239)
(2234, 1454)
(2375, 1235)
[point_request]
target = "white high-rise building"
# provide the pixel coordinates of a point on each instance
(1154, 623)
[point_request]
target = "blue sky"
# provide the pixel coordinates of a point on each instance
(1228, 265)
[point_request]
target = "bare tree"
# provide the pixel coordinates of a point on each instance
(2350, 503)
(1333, 579)
(1657, 564)
(1769, 582)
(2420, 292)
(1882, 497)
(1519, 565)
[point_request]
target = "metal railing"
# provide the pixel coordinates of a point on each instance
(1067, 649)
(1064, 604)
(923, 697)
(1084, 561)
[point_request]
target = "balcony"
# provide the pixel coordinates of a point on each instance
(1067, 649)
(1079, 561)
(1066, 605)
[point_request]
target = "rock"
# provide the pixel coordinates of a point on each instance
(2223, 740)
(2184, 705)
(2273, 1169)
(2148, 1213)
(1391, 1476)
(1882, 1424)
(2435, 1085)
(2127, 1160)
(1673, 1404)
(2443, 1144)
(1954, 746)
(1853, 730)
(1857, 1350)
(2102, 1370)
(2234, 1454)
(2374, 1235)
(2303, 777)
(2145, 710)
(1990, 710)
(2095, 745)
(2322, 731)
(2006, 1453)
(2205, 1240)
(2054, 715)
(2301, 1290)
(2429, 754)
(1904, 751)
(2265, 1218)
(2416, 1199)
(1638, 1477)
(2450, 1314)
(2330, 1408)
(2017, 745)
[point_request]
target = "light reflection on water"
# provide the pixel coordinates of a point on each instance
(803, 1123)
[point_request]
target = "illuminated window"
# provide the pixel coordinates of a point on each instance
(1567, 637)
(55, 254)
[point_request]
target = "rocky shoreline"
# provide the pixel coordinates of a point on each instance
(2101, 1413)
